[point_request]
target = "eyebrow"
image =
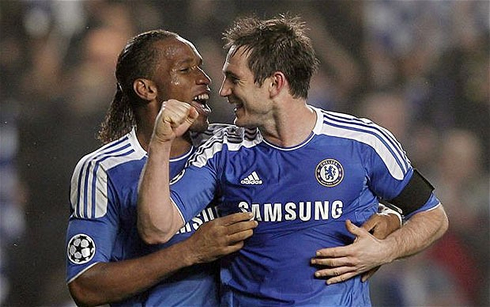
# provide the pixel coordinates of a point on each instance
(189, 60)
(228, 73)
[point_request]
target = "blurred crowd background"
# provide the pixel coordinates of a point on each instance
(419, 68)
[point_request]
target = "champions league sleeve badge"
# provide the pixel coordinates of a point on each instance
(81, 249)
(329, 172)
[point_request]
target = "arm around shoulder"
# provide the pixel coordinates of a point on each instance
(109, 282)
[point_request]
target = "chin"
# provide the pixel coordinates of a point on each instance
(237, 122)
(242, 123)
(199, 126)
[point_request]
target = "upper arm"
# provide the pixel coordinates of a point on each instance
(392, 178)
(88, 242)
(93, 224)
(417, 195)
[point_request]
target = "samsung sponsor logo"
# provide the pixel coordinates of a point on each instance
(303, 210)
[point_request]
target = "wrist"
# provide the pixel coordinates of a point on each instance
(158, 139)
(187, 254)
(390, 247)
(192, 251)
(159, 146)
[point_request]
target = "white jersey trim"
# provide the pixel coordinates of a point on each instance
(367, 132)
(88, 193)
(231, 136)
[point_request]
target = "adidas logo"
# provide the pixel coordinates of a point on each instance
(252, 179)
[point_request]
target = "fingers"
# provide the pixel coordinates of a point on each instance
(173, 120)
(236, 217)
(381, 225)
(338, 270)
(231, 228)
(353, 229)
(333, 252)
(333, 272)
(343, 251)
(192, 115)
(338, 274)
(369, 273)
(176, 113)
(340, 278)
(239, 226)
(332, 263)
(240, 236)
(344, 262)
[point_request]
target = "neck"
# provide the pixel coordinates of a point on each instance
(180, 145)
(291, 125)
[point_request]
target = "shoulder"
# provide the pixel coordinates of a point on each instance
(228, 138)
(224, 133)
(232, 135)
(199, 138)
(357, 129)
(344, 121)
(110, 155)
(89, 189)
(364, 134)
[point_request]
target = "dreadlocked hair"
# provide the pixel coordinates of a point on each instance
(119, 119)
(136, 60)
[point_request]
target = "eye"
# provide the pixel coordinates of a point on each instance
(190, 69)
(233, 79)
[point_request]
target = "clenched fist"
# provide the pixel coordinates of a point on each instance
(173, 120)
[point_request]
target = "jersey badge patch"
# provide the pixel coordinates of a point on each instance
(81, 249)
(329, 172)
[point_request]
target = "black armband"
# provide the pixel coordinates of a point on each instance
(414, 195)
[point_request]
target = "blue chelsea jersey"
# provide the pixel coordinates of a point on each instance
(301, 196)
(102, 226)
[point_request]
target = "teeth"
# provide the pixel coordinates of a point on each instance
(202, 97)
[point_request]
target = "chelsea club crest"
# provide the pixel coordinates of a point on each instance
(329, 172)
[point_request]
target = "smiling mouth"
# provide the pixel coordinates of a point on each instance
(237, 106)
(200, 101)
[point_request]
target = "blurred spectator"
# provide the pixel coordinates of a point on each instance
(416, 281)
(61, 110)
(463, 184)
(12, 193)
(454, 272)
(390, 110)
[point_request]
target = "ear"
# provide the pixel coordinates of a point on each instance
(277, 83)
(145, 89)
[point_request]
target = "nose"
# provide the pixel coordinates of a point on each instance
(224, 89)
(203, 77)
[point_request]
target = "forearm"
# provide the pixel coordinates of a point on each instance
(158, 218)
(418, 233)
(114, 281)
